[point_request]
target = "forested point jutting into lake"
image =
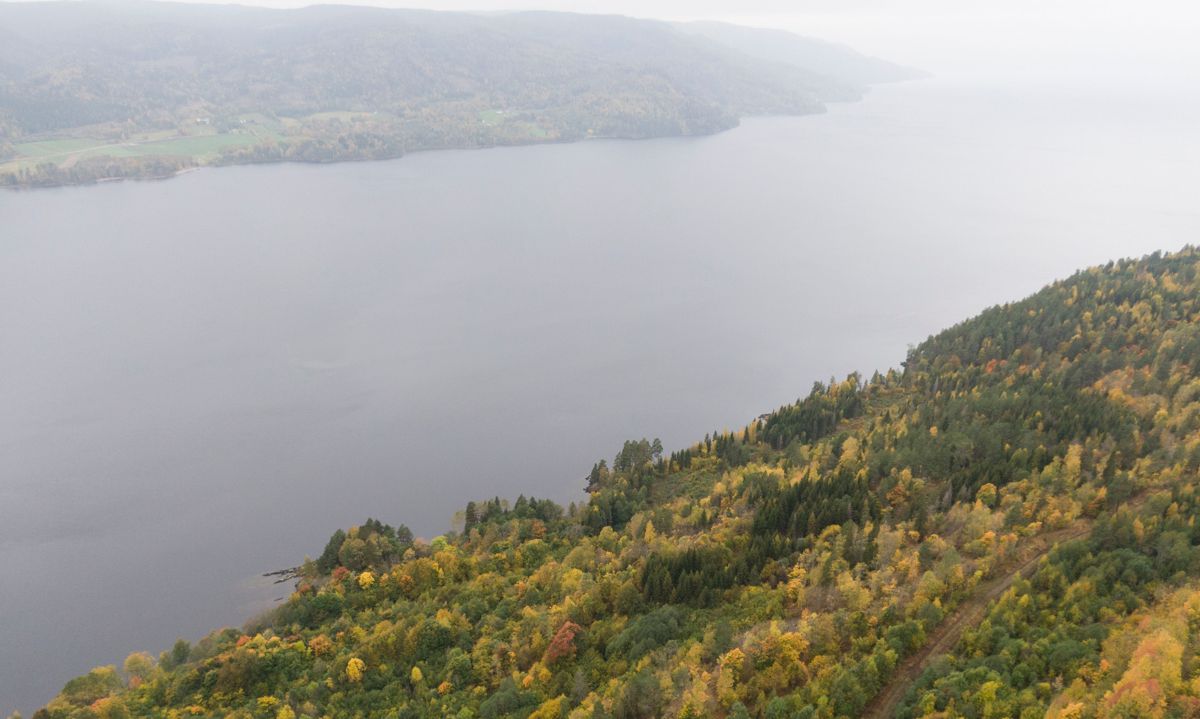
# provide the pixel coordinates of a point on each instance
(1047, 450)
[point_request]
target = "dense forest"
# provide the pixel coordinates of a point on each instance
(92, 91)
(796, 566)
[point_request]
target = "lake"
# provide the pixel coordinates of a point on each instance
(203, 378)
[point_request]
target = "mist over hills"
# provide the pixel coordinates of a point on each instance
(143, 89)
(830, 59)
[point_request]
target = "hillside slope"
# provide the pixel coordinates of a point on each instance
(788, 568)
(781, 46)
(91, 91)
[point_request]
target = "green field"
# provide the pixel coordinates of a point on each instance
(346, 115)
(67, 151)
(201, 147)
(534, 131)
(57, 148)
(202, 144)
(491, 117)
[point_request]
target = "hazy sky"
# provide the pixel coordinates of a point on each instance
(1150, 43)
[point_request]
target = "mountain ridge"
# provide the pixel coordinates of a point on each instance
(790, 48)
(91, 92)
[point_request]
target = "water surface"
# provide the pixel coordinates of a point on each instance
(200, 379)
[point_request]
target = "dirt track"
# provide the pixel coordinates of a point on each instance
(968, 614)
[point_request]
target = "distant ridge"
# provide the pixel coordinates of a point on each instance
(97, 91)
(832, 59)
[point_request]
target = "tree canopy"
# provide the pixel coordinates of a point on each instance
(786, 568)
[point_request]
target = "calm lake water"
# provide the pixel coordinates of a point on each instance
(201, 379)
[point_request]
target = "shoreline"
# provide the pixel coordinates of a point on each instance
(19, 187)
(822, 110)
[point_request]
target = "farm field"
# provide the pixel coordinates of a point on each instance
(65, 152)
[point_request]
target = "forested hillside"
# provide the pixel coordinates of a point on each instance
(94, 91)
(1045, 452)
(785, 47)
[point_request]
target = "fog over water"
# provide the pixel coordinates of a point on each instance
(203, 378)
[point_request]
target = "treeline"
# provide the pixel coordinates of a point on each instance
(787, 568)
(815, 416)
(372, 544)
(497, 511)
(90, 170)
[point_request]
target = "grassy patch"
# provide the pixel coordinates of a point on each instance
(203, 147)
(346, 116)
(54, 148)
(491, 117)
(534, 131)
